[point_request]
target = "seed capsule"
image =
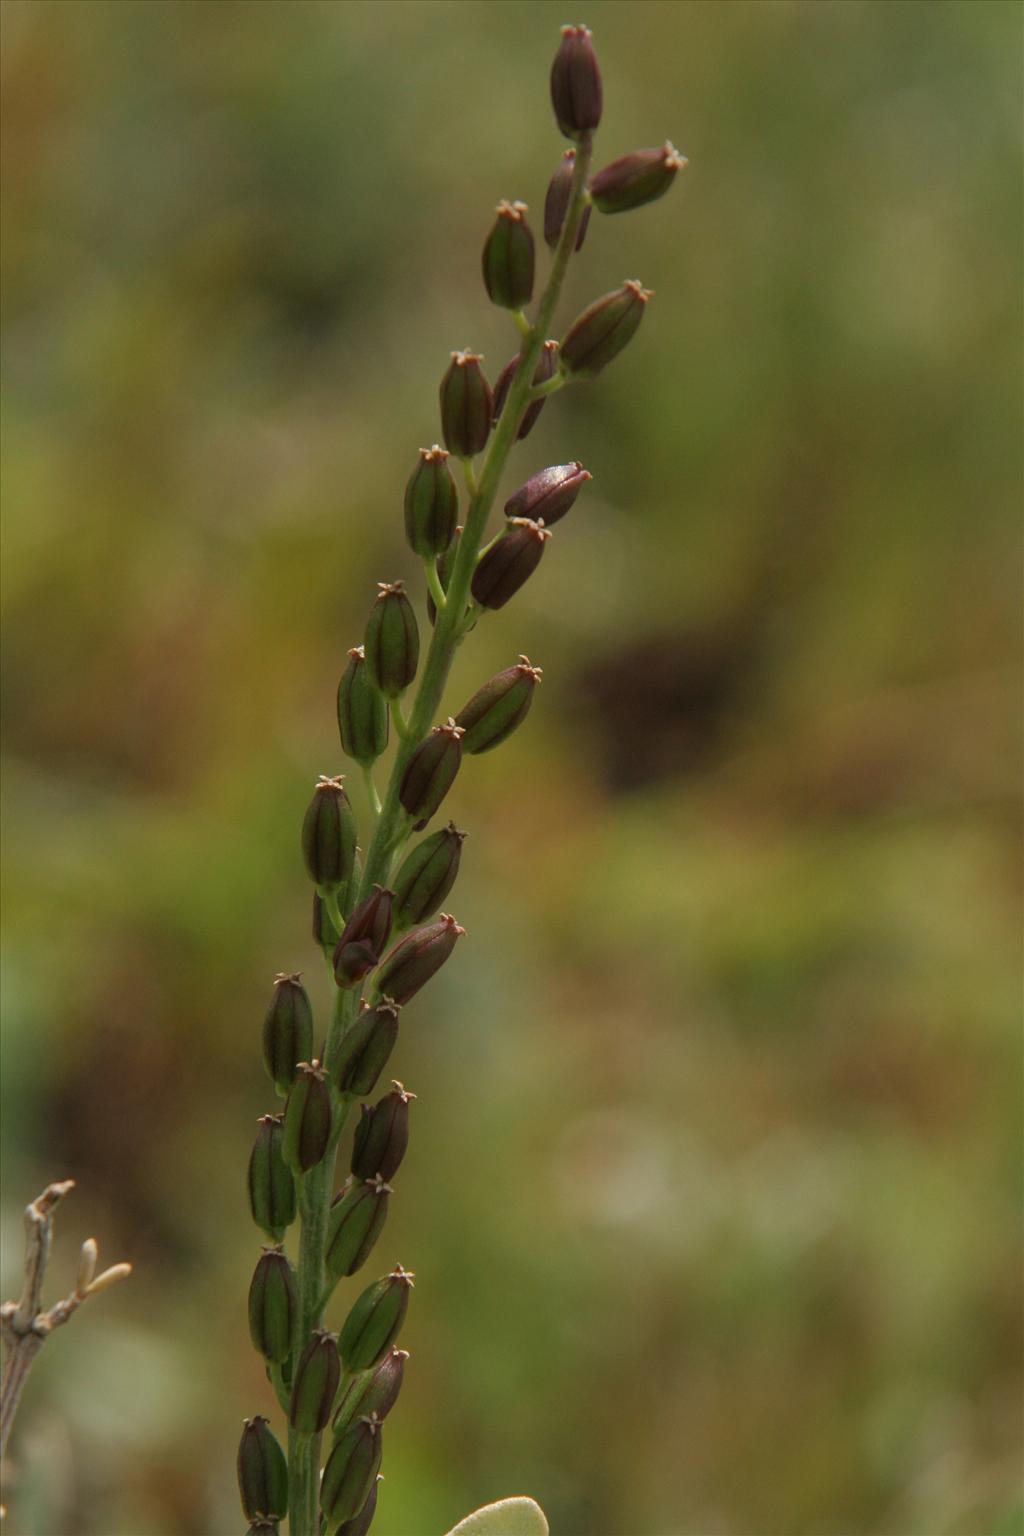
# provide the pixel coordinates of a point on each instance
(262, 1473)
(329, 834)
(362, 711)
(636, 179)
(427, 875)
(509, 563)
(416, 958)
(382, 1135)
(363, 938)
(374, 1322)
(350, 1473)
(548, 495)
(601, 332)
(360, 1524)
(271, 1186)
(316, 1383)
(366, 1047)
(445, 566)
(272, 1306)
(576, 83)
(556, 203)
(547, 364)
(287, 1030)
(392, 647)
(430, 771)
(371, 1392)
(508, 259)
(354, 1224)
(307, 1119)
(466, 405)
(495, 710)
(431, 504)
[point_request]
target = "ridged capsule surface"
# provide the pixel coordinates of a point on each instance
(307, 1119)
(496, 709)
(374, 1391)
(262, 1473)
(271, 1185)
(350, 1473)
(466, 405)
(287, 1030)
(418, 957)
(548, 495)
(366, 1047)
(392, 642)
(556, 202)
(362, 711)
(431, 503)
(547, 363)
(272, 1306)
(316, 1384)
(427, 874)
(576, 93)
(329, 834)
(602, 330)
(356, 1217)
(375, 1320)
(430, 771)
(508, 258)
(509, 563)
(382, 1135)
(635, 179)
(363, 937)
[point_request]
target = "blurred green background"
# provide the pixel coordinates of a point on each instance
(712, 1197)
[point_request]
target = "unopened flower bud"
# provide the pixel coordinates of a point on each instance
(382, 1135)
(445, 566)
(362, 711)
(509, 562)
(576, 83)
(307, 1119)
(547, 364)
(316, 1383)
(365, 1049)
(392, 642)
(373, 1391)
(363, 938)
(430, 771)
(329, 834)
(636, 179)
(508, 258)
(272, 1306)
(354, 1224)
(556, 203)
(262, 1473)
(548, 495)
(350, 1474)
(374, 1322)
(287, 1030)
(271, 1185)
(427, 875)
(601, 332)
(495, 710)
(431, 504)
(466, 405)
(416, 958)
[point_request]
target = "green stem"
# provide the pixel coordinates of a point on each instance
(434, 583)
(371, 789)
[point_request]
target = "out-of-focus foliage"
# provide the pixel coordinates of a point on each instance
(711, 1194)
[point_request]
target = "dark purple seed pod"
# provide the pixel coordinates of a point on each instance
(495, 710)
(548, 495)
(382, 1135)
(363, 938)
(431, 504)
(329, 834)
(307, 1119)
(262, 1473)
(545, 369)
(372, 1392)
(427, 875)
(272, 1306)
(287, 1030)
(354, 1224)
(375, 1320)
(430, 771)
(324, 931)
(601, 332)
(416, 958)
(445, 566)
(316, 1384)
(635, 179)
(271, 1185)
(360, 1524)
(365, 1049)
(466, 405)
(509, 562)
(362, 711)
(508, 259)
(576, 83)
(392, 641)
(351, 1473)
(556, 203)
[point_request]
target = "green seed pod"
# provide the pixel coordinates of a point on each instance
(601, 332)
(360, 1524)
(366, 1047)
(363, 938)
(509, 562)
(307, 1119)
(576, 93)
(316, 1383)
(382, 1135)
(262, 1474)
(548, 495)
(271, 1186)
(495, 710)
(350, 1474)
(371, 1392)
(547, 365)
(635, 179)
(466, 405)
(431, 504)
(427, 875)
(430, 771)
(272, 1306)
(287, 1030)
(362, 711)
(354, 1224)
(556, 203)
(329, 834)
(392, 646)
(324, 932)
(374, 1322)
(445, 566)
(508, 259)
(416, 958)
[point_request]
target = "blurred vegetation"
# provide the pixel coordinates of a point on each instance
(713, 1189)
